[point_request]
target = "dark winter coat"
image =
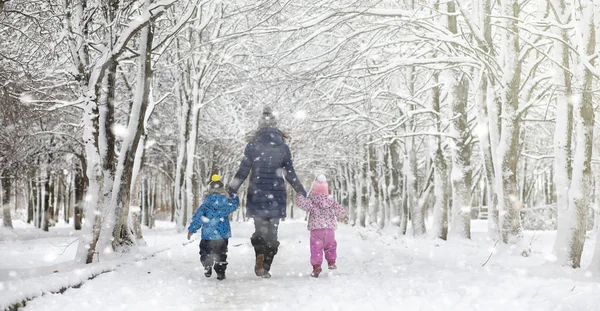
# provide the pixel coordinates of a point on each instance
(213, 216)
(268, 160)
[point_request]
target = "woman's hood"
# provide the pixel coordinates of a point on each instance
(270, 136)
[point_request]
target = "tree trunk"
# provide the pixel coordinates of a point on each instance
(94, 193)
(563, 136)
(486, 94)
(46, 203)
(350, 193)
(457, 99)
(440, 207)
(386, 195)
(405, 202)
(137, 196)
(56, 198)
(5, 186)
(144, 203)
(581, 186)
(15, 194)
(373, 196)
(488, 119)
(361, 201)
(416, 210)
(79, 192)
(172, 203)
(60, 202)
(38, 202)
(155, 203)
(67, 199)
(461, 163)
(508, 151)
(124, 177)
(185, 125)
(197, 196)
(30, 201)
(137, 226)
(51, 200)
(189, 181)
(395, 185)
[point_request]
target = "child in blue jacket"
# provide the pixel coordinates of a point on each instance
(213, 217)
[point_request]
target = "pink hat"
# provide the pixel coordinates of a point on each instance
(320, 186)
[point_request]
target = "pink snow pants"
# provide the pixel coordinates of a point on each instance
(322, 240)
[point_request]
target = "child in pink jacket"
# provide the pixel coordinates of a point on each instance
(323, 211)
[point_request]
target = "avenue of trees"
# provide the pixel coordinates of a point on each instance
(423, 114)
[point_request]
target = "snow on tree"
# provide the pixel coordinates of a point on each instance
(413, 110)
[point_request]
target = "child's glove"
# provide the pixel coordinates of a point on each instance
(189, 235)
(344, 220)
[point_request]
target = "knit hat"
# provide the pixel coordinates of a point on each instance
(215, 182)
(267, 119)
(320, 186)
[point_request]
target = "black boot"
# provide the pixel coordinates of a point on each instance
(259, 250)
(270, 251)
(220, 268)
(207, 271)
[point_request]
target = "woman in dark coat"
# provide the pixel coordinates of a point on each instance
(267, 159)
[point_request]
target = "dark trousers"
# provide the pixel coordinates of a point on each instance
(266, 228)
(214, 252)
(264, 239)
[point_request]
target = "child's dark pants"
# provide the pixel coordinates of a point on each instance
(214, 252)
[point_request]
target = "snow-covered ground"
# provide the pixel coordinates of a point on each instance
(376, 271)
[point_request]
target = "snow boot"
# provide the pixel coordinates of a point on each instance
(331, 265)
(316, 271)
(267, 275)
(207, 271)
(259, 250)
(259, 269)
(220, 268)
(270, 252)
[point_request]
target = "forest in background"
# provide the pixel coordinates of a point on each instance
(415, 110)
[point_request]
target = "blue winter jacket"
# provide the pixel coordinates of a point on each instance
(213, 217)
(267, 159)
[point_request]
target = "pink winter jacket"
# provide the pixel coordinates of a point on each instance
(322, 211)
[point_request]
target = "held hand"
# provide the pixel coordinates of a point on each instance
(189, 235)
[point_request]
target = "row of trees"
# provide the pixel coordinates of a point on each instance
(452, 104)
(416, 110)
(126, 85)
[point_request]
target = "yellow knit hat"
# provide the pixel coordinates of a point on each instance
(215, 182)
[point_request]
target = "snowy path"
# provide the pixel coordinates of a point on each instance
(375, 273)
